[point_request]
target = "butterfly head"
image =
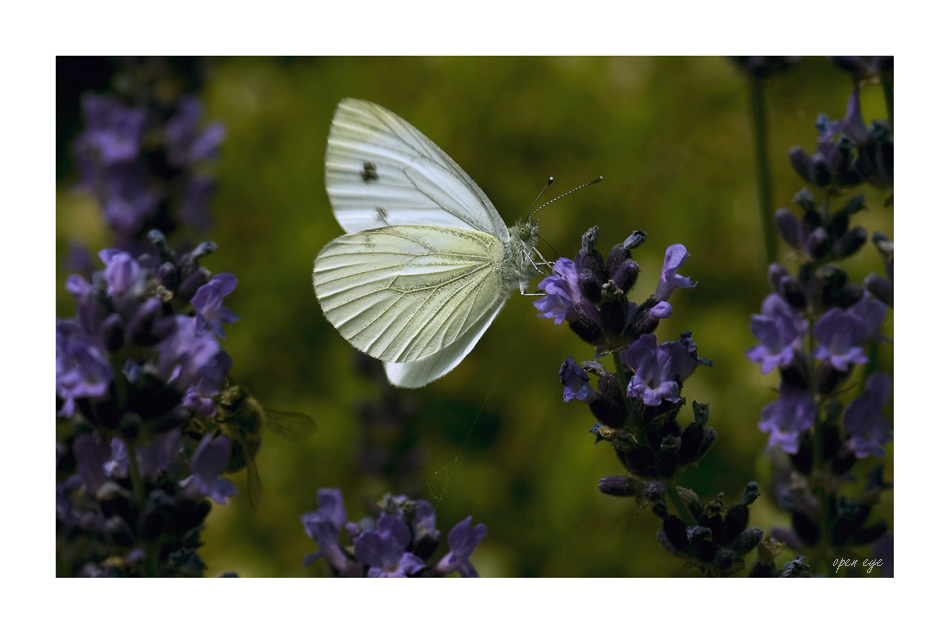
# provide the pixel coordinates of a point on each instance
(527, 232)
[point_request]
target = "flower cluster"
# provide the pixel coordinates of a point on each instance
(849, 152)
(636, 405)
(720, 537)
(131, 371)
(398, 540)
(141, 155)
(821, 332)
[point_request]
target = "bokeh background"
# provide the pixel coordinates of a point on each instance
(493, 439)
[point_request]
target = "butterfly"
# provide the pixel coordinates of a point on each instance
(426, 262)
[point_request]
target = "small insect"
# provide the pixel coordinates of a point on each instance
(241, 418)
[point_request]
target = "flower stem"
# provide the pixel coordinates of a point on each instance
(682, 509)
(759, 115)
(138, 488)
(820, 482)
(618, 365)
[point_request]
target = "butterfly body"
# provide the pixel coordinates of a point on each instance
(426, 263)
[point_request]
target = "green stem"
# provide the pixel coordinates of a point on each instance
(138, 489)
(618, 366)
(819, 471)
(763, 174)
(682, 509)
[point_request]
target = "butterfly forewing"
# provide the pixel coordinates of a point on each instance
(404, 293)
(381, 171)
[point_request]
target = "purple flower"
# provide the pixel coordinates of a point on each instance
(843, 333)
(323, 526)
(383, 549)
(784, 420)
(122, 270)
(833, 162)
(424, 526)
(462, 542)
(82, 369)
(128, 197)
(676, 256)
(186, 355)
(659, 369)
(207, 464)
(780, 330)
(563, 293)
(187, 142)
(870, 429)
(208, 304)
(112, 129)
(201, 404)
(152, 457)
(117, 466)
(576, 383)
(91, 456)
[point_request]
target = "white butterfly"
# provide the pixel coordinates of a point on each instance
(426, 263)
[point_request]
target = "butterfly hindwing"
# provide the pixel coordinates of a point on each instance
(404, 293)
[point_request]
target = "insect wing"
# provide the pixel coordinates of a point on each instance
(255, 488)
(419, 373)
(290, 425)
(381, 171)
(404, 293)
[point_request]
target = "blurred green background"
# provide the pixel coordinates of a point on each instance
(672, 139)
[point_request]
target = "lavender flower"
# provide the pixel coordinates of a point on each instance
(208, 304)
(82, 369)
(718, 538)
(463, 539)
(869, 428)
(138, 155)
(323, 526)
(659, 370)
(208, 462)
(397, 542)
(676, 256)
(780, 329)
(383, 549)
(832, 165)
(843, 333)
(787, 418)
(576, 383)
(563, 297)
(849, 152)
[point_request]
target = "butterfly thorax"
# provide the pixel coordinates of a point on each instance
(518, 265)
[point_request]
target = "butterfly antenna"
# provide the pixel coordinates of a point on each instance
(550, 180)
(593, 182)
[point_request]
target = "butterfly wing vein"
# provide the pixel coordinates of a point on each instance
(408, 291)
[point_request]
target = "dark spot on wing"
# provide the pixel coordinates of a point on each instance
(369, 174)
(381, 215)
